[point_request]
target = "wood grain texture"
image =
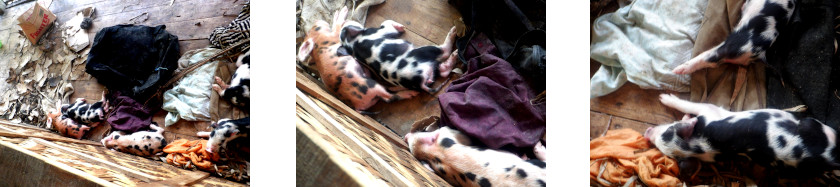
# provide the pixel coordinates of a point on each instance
(33, 164)
(313, 161)
(352, 142)
(598, 123)
(620, 123)
(357, 151)
(632, 102)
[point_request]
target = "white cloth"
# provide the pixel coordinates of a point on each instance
(189, 99)
(642, 42)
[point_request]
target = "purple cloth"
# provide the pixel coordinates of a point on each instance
(128, 115)
(491, 102)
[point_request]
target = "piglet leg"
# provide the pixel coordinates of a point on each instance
(392, 29)
(400, 95)
(539, 151)
(203, 134)
(220, 86)
(396, 88)
(697, 63)
(446, 67)
(447, 45)
(711, 111)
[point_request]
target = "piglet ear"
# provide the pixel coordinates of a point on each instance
(350, 31)
(687, 127)
(305, 50)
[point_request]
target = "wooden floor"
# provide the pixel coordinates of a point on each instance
(191, 20)
(629, 107)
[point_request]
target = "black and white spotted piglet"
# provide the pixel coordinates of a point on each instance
(396, 60)
(449, 154)
(84, 113)
(768, 137)
(141, 143)
(760, 23)
(224, 131)
(239, 90)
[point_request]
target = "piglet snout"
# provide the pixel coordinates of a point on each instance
(407, 136)
(648, 133)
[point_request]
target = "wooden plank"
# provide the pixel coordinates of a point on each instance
(620, 123)
(354, 143)
(133, 173)
(168, 14)
(39, 170)
(187, 45)
(632, 102)
(196, 29)
(312, 88)
(598, 124)
(187, 179)
(315, 157)
(30, 127)
(88, 89)
(17, 135)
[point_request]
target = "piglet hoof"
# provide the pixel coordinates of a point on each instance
(446, 67)
(400, 27)
(405, 94)
(203, 134)
(218, 89)
(686, 117)
(221, 83)
(682, 69)
(539, 151)
(668, 99)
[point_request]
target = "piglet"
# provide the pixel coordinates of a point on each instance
(757, 29)
(396, 60)
(84, 113)
(768, 137)
(66, 126)
(239, 90)
(141, 143)
(224, 131)
(341, 73)
(450, 155)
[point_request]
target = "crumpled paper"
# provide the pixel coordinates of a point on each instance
(36, 80)
(74, 36)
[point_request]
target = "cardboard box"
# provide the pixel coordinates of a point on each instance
(35, 21)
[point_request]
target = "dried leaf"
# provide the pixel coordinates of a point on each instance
(21, 88)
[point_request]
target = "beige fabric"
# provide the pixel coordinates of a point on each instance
(314, 10)
(730, 86)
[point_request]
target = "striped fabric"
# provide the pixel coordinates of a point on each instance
(238, 30)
